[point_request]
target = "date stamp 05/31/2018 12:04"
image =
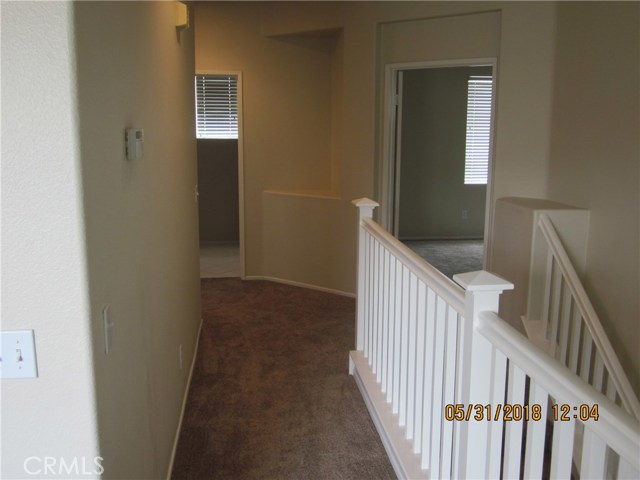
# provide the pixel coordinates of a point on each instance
(517, 412)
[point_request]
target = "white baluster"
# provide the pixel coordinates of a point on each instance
(547, 295)
(420, 370)
(384, 340)
(534, 450)
(594, 455)
(575, 341)
(598, 373)
(369, 305)
(381, 316)
(392, 327)
(497, 382)
(373, 357)
(411, 354)
(513, 434)
(404, 348)
(611, 389)
(565, 320)
(397, 339)
(562, 448)
(556, 293)
(430, 333)
(438, 380)
(585, 364)
(450, 366)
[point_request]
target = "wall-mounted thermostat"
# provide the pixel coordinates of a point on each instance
(134, 139)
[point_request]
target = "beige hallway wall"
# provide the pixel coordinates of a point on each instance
(83, 228)
(135, 70)
(595, 152)
(44, 277)
(264, 41)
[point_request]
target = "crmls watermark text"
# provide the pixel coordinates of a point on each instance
(63, 466)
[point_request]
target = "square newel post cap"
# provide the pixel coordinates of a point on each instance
(365, 206)
(482, 281)
(365, 202)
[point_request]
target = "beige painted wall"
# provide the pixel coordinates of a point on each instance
(595, 156)
(83, 228)
(140, 218)
(44, 273)
(292, 149)
(240, 36)
(433, 194)
(218, 190)
(473, 35)
(134, 70)
(536, 144)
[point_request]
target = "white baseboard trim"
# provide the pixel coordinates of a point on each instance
(300, 284)
(449, 237)
(184, 404)
(406, 464)
(219, 243)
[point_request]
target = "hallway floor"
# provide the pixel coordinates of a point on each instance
(271, 396)
(219, 260)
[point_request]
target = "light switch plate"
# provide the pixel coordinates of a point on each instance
(18, 354)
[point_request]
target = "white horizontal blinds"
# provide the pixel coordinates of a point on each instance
(476, 163)
(216, 106)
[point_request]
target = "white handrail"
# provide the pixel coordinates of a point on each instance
(426, 347)
(438, 281)
(600, 339)
(410, 336)
(615, 426)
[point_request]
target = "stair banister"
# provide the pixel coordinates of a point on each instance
(615, 426)
(426, 344)
(590, 317)
(483, 291)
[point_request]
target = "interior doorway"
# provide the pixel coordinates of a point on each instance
(436, 175)
(220, 173)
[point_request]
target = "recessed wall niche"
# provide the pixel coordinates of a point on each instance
(307, 110)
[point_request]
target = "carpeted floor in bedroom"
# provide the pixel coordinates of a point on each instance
(270, 396)
(450, 256)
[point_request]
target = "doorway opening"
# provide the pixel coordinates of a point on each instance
(218, 98)
(436, 168)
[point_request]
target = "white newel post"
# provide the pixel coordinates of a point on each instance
(482, 380)
(365, 210)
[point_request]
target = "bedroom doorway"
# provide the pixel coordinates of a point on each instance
(220, 173)
(436, 182)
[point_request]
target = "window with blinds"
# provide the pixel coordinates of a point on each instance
(476, 163)
(216, 106)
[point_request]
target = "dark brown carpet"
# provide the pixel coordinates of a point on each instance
(271, 397)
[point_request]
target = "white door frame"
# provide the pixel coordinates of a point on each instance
(238, 75)
(389, 180)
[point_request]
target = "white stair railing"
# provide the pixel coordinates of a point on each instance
(570, 329)
(583, 419)
(408, 334)
(434, 364)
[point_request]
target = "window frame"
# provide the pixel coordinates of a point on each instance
(478, 129)
(217, 110)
